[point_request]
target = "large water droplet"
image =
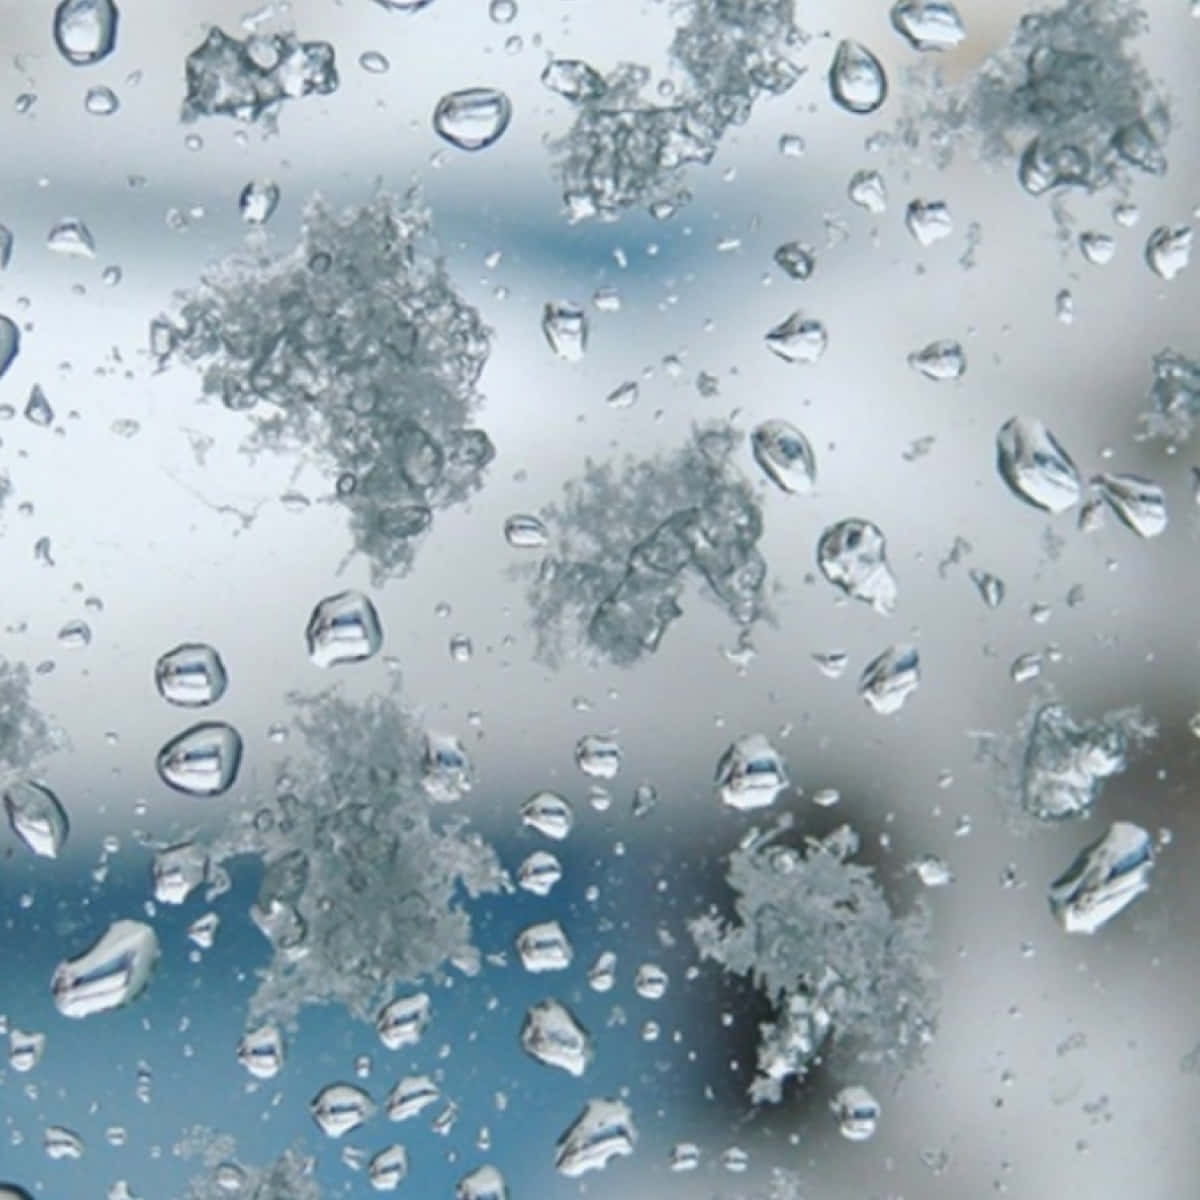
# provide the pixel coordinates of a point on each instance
(113, 972)
(343, 628)
(339, 1108)
(472, 119)
(85, 31)
(750, 774)
(1035, 467)
(1106, 877)
(258, 202)
(402, 1022)
(565, 325)
(523, 531)
(192, 675)
(72, 237)
(1140, 503)
(857, 1113)
(37, 817)
(888, 679)
(548, 813)
(799, 339)
(928, 24)
(939, 360)
(603, 1130)
(1168, 250)
(262, 1052)
(486, 1182)
(10, 343)
(785, 456)
(544, 947)
(852, 555)
(856, 79)
(203, 760)
(574, 79)
(552, 1034)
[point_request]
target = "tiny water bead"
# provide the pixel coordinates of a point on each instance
(473, 118)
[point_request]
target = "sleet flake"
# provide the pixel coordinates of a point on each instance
(817, 935)
(358, 349)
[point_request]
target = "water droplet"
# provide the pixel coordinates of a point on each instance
(192, 675)
(1168, 250)
(685, 1156)
(539, 872)
(71, 236)
(525, 532)
(1097, 248)
(826, 797)
(262, 1052)
(991, 587)
(796, 258)
(258, 201)
(1064, 307)
(1140, 503)
(178, 871)
(60, 1142)
(857, 1112)
(928, 221)
(598, 757)
(10, 343)
(472, 119)
(339, 1108)
(486, 1182)
(101, 101)
(448, 771)
(411, 1096)
(114, 971)
(888, 680)
(544, 947)
(852, 555)
(203, 760)
(565, 325)
(202, 931)
(1106, 877)
(374, 62)
(798, 339)
(928, 24)
(602, 1131)
(552, 1034)
(388, 1168)
(856, 78)
(602, 974)
(25, 1049)
(548, 813)
(750, 774)
(650, 982)
(85, 31)
(6, 246)
(574, 79)
(940, 360)
(623, 396)
(867, 190)
(1034, 466)
(10, 1191)
(37, 407)
(37, 817)
(402, 1022)
(343, 628)
(932, 871)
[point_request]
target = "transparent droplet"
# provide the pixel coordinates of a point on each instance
(339, 1108)
(539, 872)
(990, 587)
(1106, 877)
(928, 24)
(178, 871)
(852, 555)
(598, 757)
(343, 628)
(473, 118)
(258, 201)
(856, 78)
(25, 1049)
(544, 947)
(857, 1113)
(928, 221)
(85, 31)
(867, 190)
(101, 101)
(192, 675)
(574, 79)
(411, 1096)
(565, 325)
(940, 360)
(486, 1182)
(650, 982)
(1097, 248)
(388, 1168)
(262, 1052)
(402, 1022)
(1034, 466)
(374, 62)
(60, 1142)
(1168, 250)
(889, 679)
(523, 531)
(71, 236)
(10, 343)
(1140, 503)
(549, 813)
(203, 760)
(37, 817)
(796, 258)
(113, 972)
(37, 407)
(602, 1131)
(553, 1035)
(750, 774)
(799, 339)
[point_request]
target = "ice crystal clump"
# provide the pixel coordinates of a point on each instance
(816, 934)
(1067, 97)
(626, 149)
(360, 887)
(628, 540)
(1174, 397)
(355, 347)
(250, 79)
(289, 1177)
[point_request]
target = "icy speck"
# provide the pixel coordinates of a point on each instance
(1168, 250)
(544, 947)
(939, 360)
(202, 931)
(857, 81)
(1139, 503)
(472, 119)
(258, 201)
(250, 79)
(71, 237)
(85, 31)
(388, 1168)
(1034, 466)
(932, 871)
(553, 1035)
(402, 1022)
(343, 628)
(549, 813)
(785, 456)
(262, 1052)
(1106, 877)
(203, 760)
(928, 24)
(857, 1113)
(852, 555)
(750, 774)
(339, 1108)
(798, 339)
(603, 1130)
(192, 675)
(565, 325)
(888, 680)
(113, 972)
(483, 1183)
(36, 817)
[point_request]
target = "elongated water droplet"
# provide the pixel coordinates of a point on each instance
(598, 757)
(544, 947)
(402, 1022)
(1034, 466)
(203, 760)
(939, 360)
(856, 78)
(852, 555)
(262, 1052)
(411, 1096)
(85, 31)
(796, 258)
(388, 1168)
(602, 974)
(192, 675)
(1168, 250)
(1105, 878)
(373, 62)
(565, 325)
(473, 118)
(37, 817)
(486, 1182)
(343, 628)
(602, 1131)
(114, 971)
(339, 1108)
(867, 190)
(857, 1113)
(548, 813)
(799, 339)
(72, 237)
(928, 24)
(553, 1035)
(785, 456)
(10, 343)
(750, 774)
(889, 679)
(574, 79)
(928, 221)
(1140, 503)
(258, 202)
(523, 531)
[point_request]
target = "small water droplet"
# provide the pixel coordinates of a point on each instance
(549, 813)
(388, 1168)
(203, 760)
(37, 407)
(750, 774)
(798, 339)
(602, 974)
(990, 587)
(262, 1052)
(85, 31)
(940, 360)
(473, 118)
(374, 62)
(932, 871)
(623, 396)
(258, 201)
(928, 24)
(852, 555)
(1064, 307)
(785, 456)
(60, 1142)
(1168, 250)
(101, 101)
(565, 325)
(411, 1096)
(178, 871)
(867, 190)
(523, 531)
(486, 1182)
(71, 236)
(339, 1108)
(343, 628)
(857, 1113)
(402, 1022)
(889, 679)
(192, 675)
(544, 947)
(929, 221)
(796, 258)
(37, 817)
(10, 343)
(856, 78)
(602, 1131)
(113, 972)
(1097, 248)
(598, 757)
(539, 872)
(651, 981)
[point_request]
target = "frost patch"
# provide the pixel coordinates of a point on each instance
(360, 889)
(627, 540)
(1174, 397)
(25, 734)
(356, 348)
(816, 934)
(625, 149)
(289, 1177)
